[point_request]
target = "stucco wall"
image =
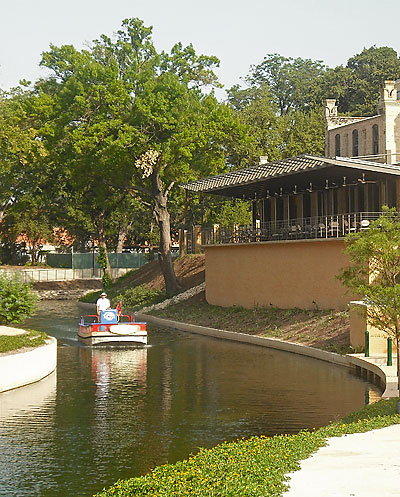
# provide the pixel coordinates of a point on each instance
(284, 274)
(358, 326)
(21, 368)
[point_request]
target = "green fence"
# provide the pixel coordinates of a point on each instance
(88, 260)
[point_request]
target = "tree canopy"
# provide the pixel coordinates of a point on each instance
(120, 120)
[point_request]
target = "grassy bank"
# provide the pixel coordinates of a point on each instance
(326, 330)
(248, 467)
(15, 342)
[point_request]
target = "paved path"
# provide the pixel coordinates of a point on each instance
(6, 330)
(359, 465)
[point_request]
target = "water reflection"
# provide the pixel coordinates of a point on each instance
(118, 412)
(28, 399)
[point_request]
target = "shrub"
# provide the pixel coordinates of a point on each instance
(138, 297)
(90, 297)
(17, 301)
(106, 280)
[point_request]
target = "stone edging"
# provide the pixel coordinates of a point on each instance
(385, 373)
(27, 366)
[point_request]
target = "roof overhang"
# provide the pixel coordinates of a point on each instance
(294, 174)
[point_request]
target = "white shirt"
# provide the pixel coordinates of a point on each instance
(103, 304)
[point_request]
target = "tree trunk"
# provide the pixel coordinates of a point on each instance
(163, 220)
(124, 229)
(102, 240)
(120, 241)
(398, 359)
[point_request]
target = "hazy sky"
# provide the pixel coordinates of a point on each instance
(239, 33)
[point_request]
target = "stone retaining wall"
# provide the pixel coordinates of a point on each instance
(61, 294)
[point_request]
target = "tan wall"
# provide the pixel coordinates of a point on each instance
(365, 142)
(284, 274)
(358, 327)
(392, 123)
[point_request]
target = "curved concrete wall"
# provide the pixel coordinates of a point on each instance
(375, 366)
(21, 368)
(272, 343)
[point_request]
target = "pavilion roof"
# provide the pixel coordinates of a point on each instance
(245, 183)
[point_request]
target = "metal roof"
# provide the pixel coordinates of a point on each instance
(244, 182)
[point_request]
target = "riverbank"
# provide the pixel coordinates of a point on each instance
(255, 466)
(25, 357)
(327, 330)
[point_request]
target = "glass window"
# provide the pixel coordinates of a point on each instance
(375, 139)
(355, 143)
(337, 145)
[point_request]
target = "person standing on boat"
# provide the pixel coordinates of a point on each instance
(102, 304)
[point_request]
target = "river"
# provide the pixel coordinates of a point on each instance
(110, 413)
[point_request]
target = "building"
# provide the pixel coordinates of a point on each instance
(302, 209)
(376, 137)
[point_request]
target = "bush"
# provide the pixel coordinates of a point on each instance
(138, 297)
(90, 297)
(106, 280)
(17, 301)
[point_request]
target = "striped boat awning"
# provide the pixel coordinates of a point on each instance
(252, 181)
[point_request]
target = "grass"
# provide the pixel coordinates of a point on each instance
(326, 330)
(249, 467)
(29, 339)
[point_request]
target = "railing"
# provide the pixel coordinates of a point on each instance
(336, 226)
(61, 274)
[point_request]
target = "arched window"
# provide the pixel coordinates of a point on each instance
(337, 145)
(375, 139)
(355, 142)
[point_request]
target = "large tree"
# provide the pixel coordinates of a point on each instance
(125, 119)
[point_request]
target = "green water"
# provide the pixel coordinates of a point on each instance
(110, 413)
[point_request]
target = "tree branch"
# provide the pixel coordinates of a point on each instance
(169, 188)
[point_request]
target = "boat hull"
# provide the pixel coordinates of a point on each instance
(114, 333)
(107, 339)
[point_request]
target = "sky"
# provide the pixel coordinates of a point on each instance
(239, 33)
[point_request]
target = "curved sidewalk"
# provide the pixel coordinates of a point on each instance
(25, 366)
(359, 465)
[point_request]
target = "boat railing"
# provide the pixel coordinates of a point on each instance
(93, 319)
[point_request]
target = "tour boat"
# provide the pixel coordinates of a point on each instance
(112, 328)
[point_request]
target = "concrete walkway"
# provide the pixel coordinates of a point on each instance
(359, 465)
(6, 330)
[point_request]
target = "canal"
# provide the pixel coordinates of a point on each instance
(110, 413)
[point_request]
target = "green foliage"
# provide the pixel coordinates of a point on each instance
(374, 273)
(101, 258)
(106, 280)
(248, 467)
(294, 83)
(229, 212)
(140, 296)
(28, 339)
(368, 70)
(278, 134)
(90, 297)
(17, 301)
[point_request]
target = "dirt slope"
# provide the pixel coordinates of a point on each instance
(189, 271)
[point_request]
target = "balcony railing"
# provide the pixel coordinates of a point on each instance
(336, 226)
